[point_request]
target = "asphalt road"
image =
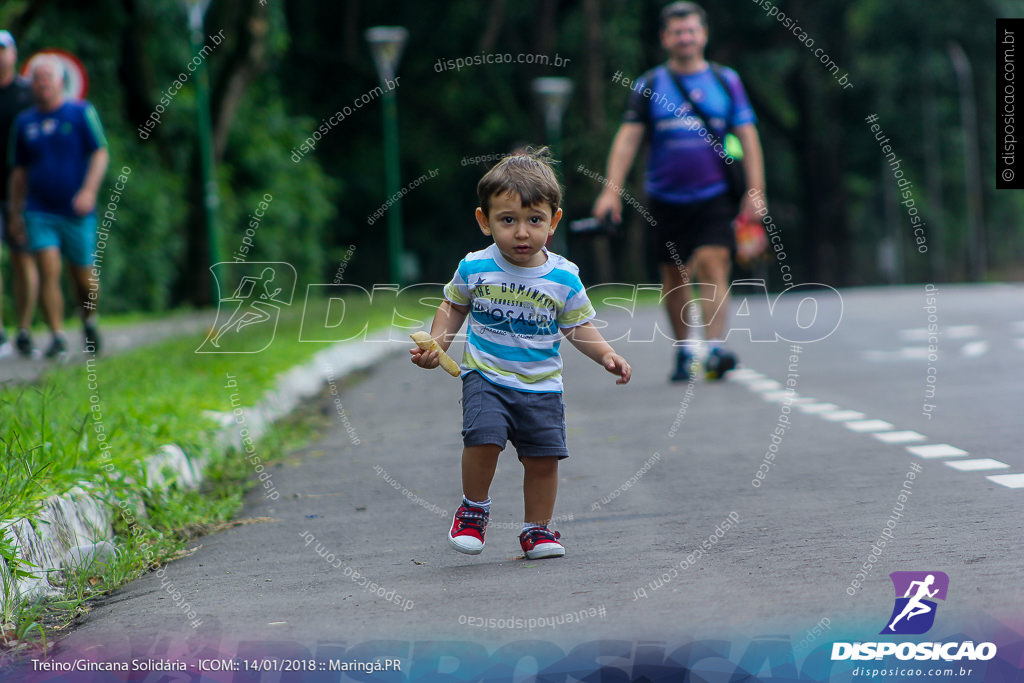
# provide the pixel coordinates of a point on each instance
(655, 470)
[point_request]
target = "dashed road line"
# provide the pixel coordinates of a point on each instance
(776, 396)
(951, 332)
(1012, 481)
(936, 450)
(885, 431)
(977, 464)
(868, 425)
(961, 331)
(815, 408)
(841, 415)
(975, 349)
(900, 437)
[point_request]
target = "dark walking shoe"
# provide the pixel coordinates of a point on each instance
(719, 362)
(58, 348)
(684, 365)
(23, 343)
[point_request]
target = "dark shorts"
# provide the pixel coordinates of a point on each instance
(682, 228)
(492, 414)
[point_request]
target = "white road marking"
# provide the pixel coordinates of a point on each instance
(975, 349)
(779, 396)
(813, 408)
(878, 356)
(951, 332)
(1011, 481)
(936, 450)
(914, 334)
(977, 464)
(841, 415)
(906, 353)
(961, 331)
(884, 431)
(899, 437)
(745, 374)
(868, 425)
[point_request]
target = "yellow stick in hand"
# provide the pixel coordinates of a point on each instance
(427, 343)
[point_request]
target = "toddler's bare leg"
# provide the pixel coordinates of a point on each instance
(540, 487)
(478, 465)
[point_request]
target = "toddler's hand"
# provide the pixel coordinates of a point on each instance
(425, 359)
(617, 365)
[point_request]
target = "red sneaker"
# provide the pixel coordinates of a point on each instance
(468, 528)
(540, 542)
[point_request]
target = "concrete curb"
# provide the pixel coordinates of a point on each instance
(74, 530)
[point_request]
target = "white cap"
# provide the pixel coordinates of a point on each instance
(6, 39)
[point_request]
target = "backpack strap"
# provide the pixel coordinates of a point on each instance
(699, 113)
(716, 69)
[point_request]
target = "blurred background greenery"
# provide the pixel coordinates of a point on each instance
(284, 67)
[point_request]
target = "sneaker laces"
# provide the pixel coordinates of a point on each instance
(539, 533)
(472, 518)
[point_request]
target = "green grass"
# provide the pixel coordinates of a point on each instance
(53, 437)
(141, 399)
(643, 297)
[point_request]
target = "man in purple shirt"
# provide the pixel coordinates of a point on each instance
(687, 184)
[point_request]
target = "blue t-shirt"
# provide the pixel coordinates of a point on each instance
(515, 317)
(683, 166)
(55, 147)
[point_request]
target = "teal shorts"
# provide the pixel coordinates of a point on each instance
(75, 237)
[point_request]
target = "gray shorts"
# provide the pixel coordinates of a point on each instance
(533, 422)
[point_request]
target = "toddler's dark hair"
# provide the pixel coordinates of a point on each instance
(527, 174)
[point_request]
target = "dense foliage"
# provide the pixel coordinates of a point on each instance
(284, 68)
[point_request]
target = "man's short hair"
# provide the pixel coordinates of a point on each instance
(681, 10)
(527, 174)
(52, 61)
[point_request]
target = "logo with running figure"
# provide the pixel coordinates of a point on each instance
(247, 317)
(914, 612)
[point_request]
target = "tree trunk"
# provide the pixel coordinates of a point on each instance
(494, 24)
(246, 61)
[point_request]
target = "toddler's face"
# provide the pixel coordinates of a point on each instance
(519, 231)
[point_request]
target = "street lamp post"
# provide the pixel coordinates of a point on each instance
(972, 165)
(553, 93)
(386, 43)
(196, 11)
